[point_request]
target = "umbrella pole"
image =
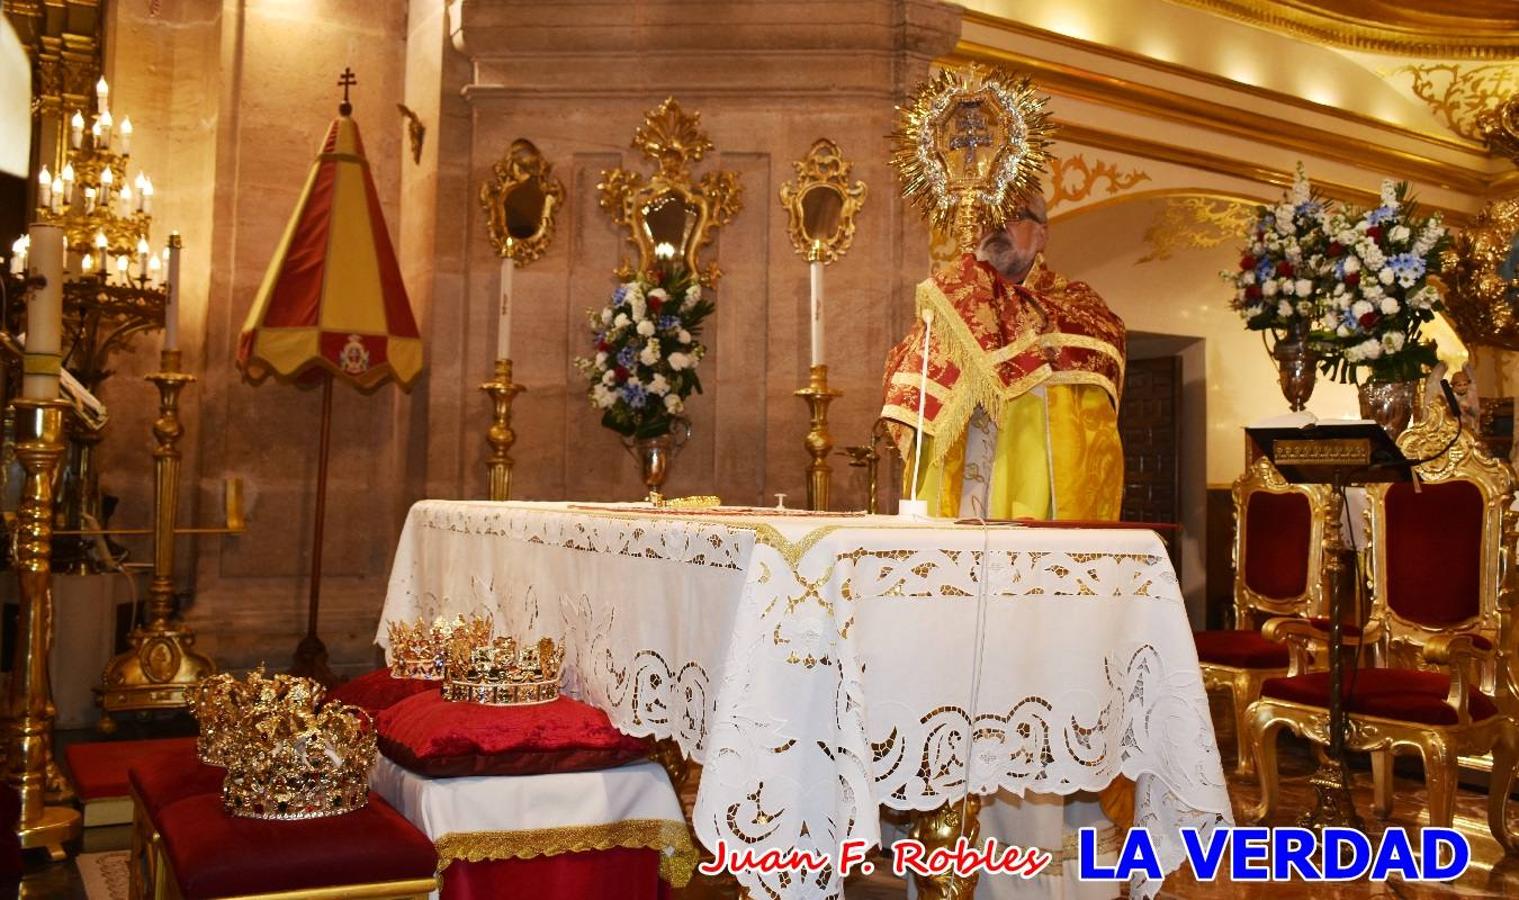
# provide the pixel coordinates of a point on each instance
(311, 653)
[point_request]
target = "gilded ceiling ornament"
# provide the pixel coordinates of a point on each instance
(1499, 128)
(970, 144)
(1073, 179)
(1196, 223)
(520, 203)
(668, 216)
(822, 204)
(1470, 29)
(1481, 272)
(1459, 94)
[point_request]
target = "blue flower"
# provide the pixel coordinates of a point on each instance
(620, 296)
(626, 357)
(1380, 214)
(667, 323)
(1406, 264)
(1264, 269)
(1308, 208)
(634, 395)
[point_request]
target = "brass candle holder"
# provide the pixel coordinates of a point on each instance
(819, 442)
(500, 435)
(162, 663)
(29, 701)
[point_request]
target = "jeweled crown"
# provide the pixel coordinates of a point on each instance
(295, 762)
(501, 673)
(420, 650)
(220, 702)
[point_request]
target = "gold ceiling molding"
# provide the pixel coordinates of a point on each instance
(1072, 179)
(1459, 94)
(1197, 222)
(1446, 141)
(1232, 120)
(1473, 29)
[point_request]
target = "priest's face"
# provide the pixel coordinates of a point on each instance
(1011, 249)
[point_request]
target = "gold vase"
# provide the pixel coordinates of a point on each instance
(1296, 366)
(1389, 404)
(655, 454)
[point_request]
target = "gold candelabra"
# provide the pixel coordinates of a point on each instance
(500, 435)
(162, 663)
(819, 442)
(29, 725)
(868, 457)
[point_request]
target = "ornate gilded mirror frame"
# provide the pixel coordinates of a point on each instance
(673, 140)
(822, 191)
(520, 203)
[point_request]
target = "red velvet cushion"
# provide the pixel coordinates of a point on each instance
(172, 775)
(1404, 694)
(217, 855)
(436, 737)
(1434, 551)
(1277, 531)
(1242, 649)
(378, 690)
(100, 768)
(618, 873)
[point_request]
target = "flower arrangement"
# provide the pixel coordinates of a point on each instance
(1376, 290)
(1275, 284)
(647, 350)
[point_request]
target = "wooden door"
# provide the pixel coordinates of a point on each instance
(1149, 422)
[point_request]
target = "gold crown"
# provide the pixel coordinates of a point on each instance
(969, 147)
(295, 762)
(419, 650)
(220, 702)
(502, 674)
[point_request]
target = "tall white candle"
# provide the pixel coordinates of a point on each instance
(44, 317)
(504, 314)
(817, 304)
(171, 303)
(917, 444)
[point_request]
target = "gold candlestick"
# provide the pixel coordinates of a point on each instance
(29, 724)
(819, 442)
(500, 435)
(162, 663)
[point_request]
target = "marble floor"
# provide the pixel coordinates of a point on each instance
(1490, 877)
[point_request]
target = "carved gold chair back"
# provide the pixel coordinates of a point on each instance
(1278, 546)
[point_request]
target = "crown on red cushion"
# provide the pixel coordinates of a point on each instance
(220, 702)
(502, 674)
(291, 761)
(419, 650)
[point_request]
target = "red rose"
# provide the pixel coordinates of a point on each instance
(620, 373)
(604, 347)
(1246, 263)
(1335, 249)
(1374, 232)
(1353, 279)
(1370, 319)
(654, 304)
(1284, 269)
(1253, 292)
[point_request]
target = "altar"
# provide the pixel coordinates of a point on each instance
(821, 666)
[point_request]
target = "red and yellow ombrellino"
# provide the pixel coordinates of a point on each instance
(332, 301)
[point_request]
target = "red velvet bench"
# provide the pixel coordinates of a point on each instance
(153, 782)
(369, 853)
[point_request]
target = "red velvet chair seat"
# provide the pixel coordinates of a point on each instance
(214, 854)
(378, 690)
(1242, 649)
(172, 775)
(1404, 694)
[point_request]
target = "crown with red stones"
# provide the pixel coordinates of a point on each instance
(501, 673)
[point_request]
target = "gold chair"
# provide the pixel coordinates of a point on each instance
(1278, 559)
(1442, 599)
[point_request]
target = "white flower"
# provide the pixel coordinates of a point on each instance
(649, 355)
(1392, 341)
(1302, 287)
(609, 377)
(660, 294)
(1386, 276)
(693, 293)
(683, 336)
(1304, 308)
(1399, 234)
(1284, 309)
(638, 305)
(603, 397)
(646, 328)
(1370, 348)
(1352, 265)
(606, 315)
(673, 403)
(633, 381)
(621, 321)
(1389, 193)
(679, 361)
(1389, 306)
(1343, 331)
(1361, 308)
(1247, 278)
(601, 360)
(1269, 287)
(1371, 290)
(658, 385)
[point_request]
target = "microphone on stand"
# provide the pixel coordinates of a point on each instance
(1451, 401)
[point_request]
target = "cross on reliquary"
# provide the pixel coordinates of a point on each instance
(347, 80)
(972, 134)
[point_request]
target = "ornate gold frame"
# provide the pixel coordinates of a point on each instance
(673, 140)
(522, 165)
(824, 168)
(1478, 300)
(1453, 649)
(1242, 684)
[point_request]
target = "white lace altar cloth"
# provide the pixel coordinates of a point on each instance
(821, 667)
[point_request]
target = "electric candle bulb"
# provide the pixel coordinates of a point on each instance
(155, 270)
(58, 194)
(76, 130)
(102, 91)
(100, 241)
(88, 264)
(121, 267)
(89, 200)
(143, 252)
(107, 126)
(18, 255)
(126, 135)
(126, 200)
(106, 180)
(147, 195)
(45, 188)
